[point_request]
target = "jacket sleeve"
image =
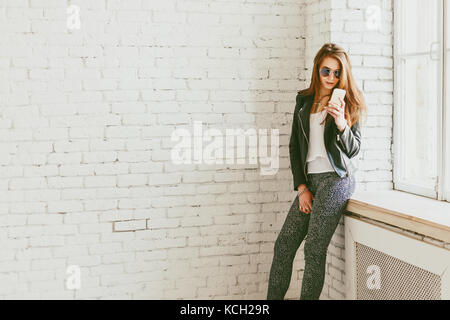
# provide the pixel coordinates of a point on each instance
(294, 151)
(350, 140)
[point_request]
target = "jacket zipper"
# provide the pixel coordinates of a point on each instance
(301, 123)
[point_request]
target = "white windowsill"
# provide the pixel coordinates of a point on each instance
(405, 210)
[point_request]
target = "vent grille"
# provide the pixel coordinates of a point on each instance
(398, 280)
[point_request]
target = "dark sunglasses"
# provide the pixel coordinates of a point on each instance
(325, 72)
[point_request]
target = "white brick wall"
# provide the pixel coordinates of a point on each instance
(85, 123)
(86, 117)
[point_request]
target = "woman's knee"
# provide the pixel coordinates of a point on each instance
(284, 245)
(315, 248)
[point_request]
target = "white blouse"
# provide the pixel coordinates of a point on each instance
(317, 159)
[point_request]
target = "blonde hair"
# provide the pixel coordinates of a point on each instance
(354, 99)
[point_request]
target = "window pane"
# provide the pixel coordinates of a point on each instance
(420, 25)
(420, 77)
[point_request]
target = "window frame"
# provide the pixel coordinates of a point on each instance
(400, 184)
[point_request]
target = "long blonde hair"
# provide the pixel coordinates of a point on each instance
(355, 105)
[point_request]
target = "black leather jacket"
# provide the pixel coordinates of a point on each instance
(340, 146)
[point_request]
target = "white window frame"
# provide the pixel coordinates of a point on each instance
(439, 191)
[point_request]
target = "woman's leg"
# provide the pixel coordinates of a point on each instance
(291, 235)
(329, 203)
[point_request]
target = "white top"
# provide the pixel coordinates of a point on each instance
(317, 158)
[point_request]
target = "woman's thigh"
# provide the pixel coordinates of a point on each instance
(295, 226)
(329, 203)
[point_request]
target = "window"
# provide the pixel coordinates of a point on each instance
(422, 98)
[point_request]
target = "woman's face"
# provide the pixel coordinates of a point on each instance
(330, 81)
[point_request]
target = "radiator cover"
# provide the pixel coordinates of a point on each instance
(381, 264)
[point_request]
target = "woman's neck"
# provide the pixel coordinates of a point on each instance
(321, 96)
(323, 93)
(320, 100)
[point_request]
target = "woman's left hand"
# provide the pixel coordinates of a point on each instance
(338, 113)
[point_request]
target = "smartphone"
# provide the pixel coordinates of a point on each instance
(337, 93)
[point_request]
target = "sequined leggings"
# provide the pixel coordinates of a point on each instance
(331, 194)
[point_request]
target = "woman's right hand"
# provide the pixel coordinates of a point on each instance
(305, 202)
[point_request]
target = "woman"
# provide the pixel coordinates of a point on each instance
(324, 137)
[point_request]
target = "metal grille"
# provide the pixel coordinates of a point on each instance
(380, 276)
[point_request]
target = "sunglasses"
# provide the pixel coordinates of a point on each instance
(325, 72)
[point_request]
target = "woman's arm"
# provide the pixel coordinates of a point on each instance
(350, 140)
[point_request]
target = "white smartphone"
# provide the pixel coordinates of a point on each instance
(337, 93)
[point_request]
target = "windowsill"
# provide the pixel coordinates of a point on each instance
(407, 211)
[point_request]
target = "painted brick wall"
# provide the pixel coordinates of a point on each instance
(86, 117)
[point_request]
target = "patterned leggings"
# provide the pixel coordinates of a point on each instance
(331, 194)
